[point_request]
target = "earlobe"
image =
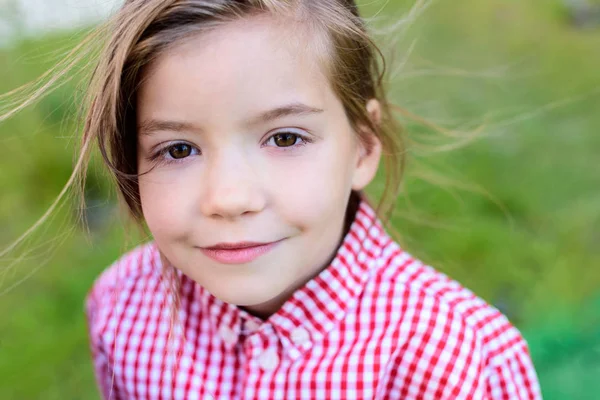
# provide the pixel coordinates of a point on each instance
(369, 151)
(368, 164)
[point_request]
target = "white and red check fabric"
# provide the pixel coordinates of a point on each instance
(375, 324)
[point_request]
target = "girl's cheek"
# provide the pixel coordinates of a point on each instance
(165, 203)
(312, 190)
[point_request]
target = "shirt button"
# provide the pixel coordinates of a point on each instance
(268, 360)
(252, 325)
(228, 335)
(300, 336)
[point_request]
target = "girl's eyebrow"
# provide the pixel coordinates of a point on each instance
(284, 111)
(151, 126)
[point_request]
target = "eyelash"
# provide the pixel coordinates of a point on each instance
(162, 154)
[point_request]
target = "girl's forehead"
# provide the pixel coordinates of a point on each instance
(242, 62)
(261, 38)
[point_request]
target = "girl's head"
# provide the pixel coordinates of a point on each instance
(242, 121)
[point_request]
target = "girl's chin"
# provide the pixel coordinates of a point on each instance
(255, 300)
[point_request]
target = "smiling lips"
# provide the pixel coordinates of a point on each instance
(237, 253)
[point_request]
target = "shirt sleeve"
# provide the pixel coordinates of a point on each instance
(102, 369)
(514, 377)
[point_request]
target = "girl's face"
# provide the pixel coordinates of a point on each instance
(243, 140)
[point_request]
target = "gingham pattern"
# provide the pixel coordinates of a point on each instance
(375, 324)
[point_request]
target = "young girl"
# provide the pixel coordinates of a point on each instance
(242, 134)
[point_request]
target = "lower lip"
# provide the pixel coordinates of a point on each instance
(238, 256)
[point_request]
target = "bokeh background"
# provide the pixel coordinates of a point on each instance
(514, 215)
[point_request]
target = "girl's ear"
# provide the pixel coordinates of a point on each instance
(369, 152)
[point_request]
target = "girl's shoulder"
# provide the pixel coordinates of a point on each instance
(129, 277)
(441, 336)
(141, 262)
(430, 296)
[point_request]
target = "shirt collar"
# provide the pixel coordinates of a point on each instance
(317, 307)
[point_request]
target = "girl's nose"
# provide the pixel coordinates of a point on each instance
(232, 189)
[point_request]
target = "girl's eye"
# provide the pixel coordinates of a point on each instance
(286, 139)
(174, 152)
(179, 150)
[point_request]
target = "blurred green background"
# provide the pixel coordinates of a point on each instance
(515, 215)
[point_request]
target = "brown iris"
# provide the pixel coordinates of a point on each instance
(285, 139)
(180, 150)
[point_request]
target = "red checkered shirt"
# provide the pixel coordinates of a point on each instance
(375, 324)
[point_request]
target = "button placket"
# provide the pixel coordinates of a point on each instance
(262, 348)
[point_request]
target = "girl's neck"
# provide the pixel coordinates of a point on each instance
(351, 210)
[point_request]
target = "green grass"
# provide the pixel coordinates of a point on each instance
(526, 238)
